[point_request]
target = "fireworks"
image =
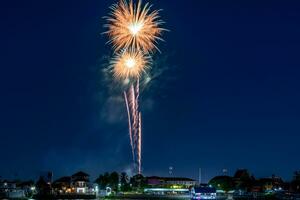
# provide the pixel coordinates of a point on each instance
(133, 31)
(130, 64)
(133, 26)
(135, 124)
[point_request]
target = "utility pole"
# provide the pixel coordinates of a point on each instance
(225, 171)
(171, 170)
(200, 176)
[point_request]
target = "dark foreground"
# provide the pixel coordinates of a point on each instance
(73, 196)
(158, 197)
(145, 197)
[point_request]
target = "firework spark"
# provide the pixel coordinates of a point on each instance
(134, 31)
(133, 26)
(129, 125)
(130, 64)
(135, 124)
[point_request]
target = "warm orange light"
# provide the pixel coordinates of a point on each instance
(129, 64)
(134, 26)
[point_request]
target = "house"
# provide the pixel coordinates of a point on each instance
(80, 182)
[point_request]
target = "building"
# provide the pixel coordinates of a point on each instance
(273, 183)
(170, 182)
(80, 182)
(167, 191)
(9, 189)
(169, 185)
(7, 185)
(203, 192)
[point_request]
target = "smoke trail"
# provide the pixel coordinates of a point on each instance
(138, 126)
(133, 106)
(134, 123)
(129, 125)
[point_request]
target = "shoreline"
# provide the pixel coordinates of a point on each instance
(144, 196)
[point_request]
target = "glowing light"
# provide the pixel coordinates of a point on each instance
(133, 26)
(134, 31)
(129, 64)
(126, 81)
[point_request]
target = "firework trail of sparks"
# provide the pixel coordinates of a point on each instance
(129, 125)
(138, 127)
(134, 122)
(134, 31)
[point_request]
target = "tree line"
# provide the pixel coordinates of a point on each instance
(121, 182)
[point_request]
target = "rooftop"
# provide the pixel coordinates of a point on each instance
(80, 173)
(171, 178)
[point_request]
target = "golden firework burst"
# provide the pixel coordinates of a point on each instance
(129, 64)
(133, 25)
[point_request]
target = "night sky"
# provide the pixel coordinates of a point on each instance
(228, 96)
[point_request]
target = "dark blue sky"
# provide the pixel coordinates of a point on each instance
(230, 98)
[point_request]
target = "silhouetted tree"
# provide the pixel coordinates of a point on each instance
(103, 180)
(114, 181)
(124, 180)
(225, 183)
(243, 180)
(138, 181)
(295, 184)
(43, 188)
